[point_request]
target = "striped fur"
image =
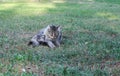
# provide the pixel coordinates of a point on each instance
(51, 35)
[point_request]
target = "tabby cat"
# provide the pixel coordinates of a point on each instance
(51, 35)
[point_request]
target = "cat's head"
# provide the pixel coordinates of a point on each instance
(53, 31)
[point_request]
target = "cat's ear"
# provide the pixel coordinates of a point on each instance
(59, 28)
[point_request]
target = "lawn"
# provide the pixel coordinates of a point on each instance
(90, 45)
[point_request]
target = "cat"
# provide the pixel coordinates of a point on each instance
(51, 35)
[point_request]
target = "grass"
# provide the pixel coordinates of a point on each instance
(91, 43)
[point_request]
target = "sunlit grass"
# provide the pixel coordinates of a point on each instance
(7, 6)
(36, 8)
(109, 16)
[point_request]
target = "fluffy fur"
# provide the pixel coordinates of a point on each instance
(51, 35)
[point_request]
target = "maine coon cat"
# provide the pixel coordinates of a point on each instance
(51, 35)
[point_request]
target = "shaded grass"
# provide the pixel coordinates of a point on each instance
(109, 1)
(90, 44)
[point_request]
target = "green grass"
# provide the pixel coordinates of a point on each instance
(109, 1)
(91, 42)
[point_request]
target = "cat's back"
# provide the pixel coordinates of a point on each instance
(41, 31)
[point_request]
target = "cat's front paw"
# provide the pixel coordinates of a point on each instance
(51, 45)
